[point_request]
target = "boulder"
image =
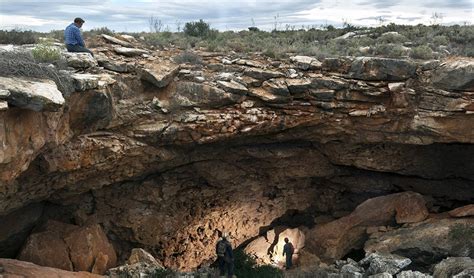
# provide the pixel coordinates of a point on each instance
(141, 256)
(116, 41)
(70, 247)
(413, 274)
(33, 94)
(455, 74)
(462, 211)
(333, 240)
(459, 267)
(375, 68)
(380, 263)
(130, 52)
(427, 242)
(80, 60)
(233, 87)
(15, 268)
(306, 62)
(159, 74)
(86, 81)
(262, 74)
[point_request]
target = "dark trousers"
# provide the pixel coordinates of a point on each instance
(77, 48)
(225, 266)
(289, 261)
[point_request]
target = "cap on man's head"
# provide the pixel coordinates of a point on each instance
(78, 20)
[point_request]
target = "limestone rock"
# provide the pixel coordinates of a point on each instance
(374, 68)
(33, 94)
(80, 60)
(339, 64)
(70, 247)
(455, 74)
(381, 275)
(268, 96)
(112, 65)
(306, 62)
(190, 94)
(298, 86)
(233, 87)
(3, 105)
(413, 274)
(136, 270)
(389, 263)
(16, 268)
(130, 52)
(462, 211)
(116, 41)
(159, 74)
(428, 241)
(333, 240)
(454, 267)
(262, 74)
(141, 256)
(276, 86)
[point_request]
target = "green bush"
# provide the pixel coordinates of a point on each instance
(197, 28)
(422, 52)
(390, 50)
(46, 53)
(18, 37)
(188, 58)
(245, 266)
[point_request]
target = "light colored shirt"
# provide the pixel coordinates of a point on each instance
(72, 35)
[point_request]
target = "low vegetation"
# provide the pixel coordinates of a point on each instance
(397, 41)
(24, 64)
(245, 266)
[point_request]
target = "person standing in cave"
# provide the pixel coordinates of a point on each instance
(288, 251)
(225, 256)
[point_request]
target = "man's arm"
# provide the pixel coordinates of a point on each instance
(79, 37)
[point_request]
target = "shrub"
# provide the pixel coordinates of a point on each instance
(18, 37)
(188, 57)
(423, 52)
(245, 266)
(197, 28)
(23, 64)
(390, 50)
(46, 53)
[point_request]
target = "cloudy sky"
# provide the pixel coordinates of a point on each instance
(134, 15)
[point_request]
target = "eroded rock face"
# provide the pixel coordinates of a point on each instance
(167, 159)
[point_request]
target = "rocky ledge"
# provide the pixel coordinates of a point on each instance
(358, 154)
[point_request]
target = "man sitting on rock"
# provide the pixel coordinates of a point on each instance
(73, 38)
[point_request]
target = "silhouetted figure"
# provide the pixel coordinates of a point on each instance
(225, 256)
(73, 38)
(288, 251)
